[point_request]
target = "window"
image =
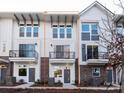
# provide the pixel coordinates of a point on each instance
(55, 32)
(28, 31)
(22, 30)
(85, 27)
(35, 31)
(92, 52)
(94, 29)
(58, 73)
(62, 32)
(69, 32)
(89, 31)
(96, 72)
(22, 72)
(62, 51)
(26, 50)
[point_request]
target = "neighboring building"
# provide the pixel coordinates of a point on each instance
(64, 46)
(119, 27)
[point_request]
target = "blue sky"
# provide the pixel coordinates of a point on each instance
(52, 5)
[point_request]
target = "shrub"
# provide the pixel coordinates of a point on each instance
(21, 81)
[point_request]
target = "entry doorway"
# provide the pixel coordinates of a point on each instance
(66, 75)
(31, 74)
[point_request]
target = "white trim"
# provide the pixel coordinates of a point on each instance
(3, 60)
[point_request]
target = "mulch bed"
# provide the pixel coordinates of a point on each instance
(16, 84)
(47, 85)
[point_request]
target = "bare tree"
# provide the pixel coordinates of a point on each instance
(113, 40)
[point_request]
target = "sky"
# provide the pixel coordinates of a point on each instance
(53, 5)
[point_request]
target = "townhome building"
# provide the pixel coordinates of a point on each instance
(55, 46)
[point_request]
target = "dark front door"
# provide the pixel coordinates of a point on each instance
(109, 76)
(31, 74)
(67, 76)
(3, 74)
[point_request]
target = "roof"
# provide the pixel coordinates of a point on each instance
(99, 5)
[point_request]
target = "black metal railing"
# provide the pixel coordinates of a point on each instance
(62, 55)
(99, 55)
(23, 53)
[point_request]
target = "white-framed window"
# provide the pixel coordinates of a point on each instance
(89, 31)
(96, 72)
(55, 31)
(35, 31)
(68, 31)
(22, 31)
(22, 71)
(28, 31)
(62, 31)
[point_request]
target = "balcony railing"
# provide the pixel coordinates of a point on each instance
(62, 55)
(100, 55)
(23, 53)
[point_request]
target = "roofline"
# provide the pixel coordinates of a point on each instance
(91, 5)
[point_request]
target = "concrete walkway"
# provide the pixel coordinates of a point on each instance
(24, 85)
(69, 86)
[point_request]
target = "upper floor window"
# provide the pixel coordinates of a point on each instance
(85, 27)
(55, 32)
(92, 52)
(28, 31)
(35, 31)
(62, 32)
(26, 50)
(21, 31)
(69, 32)
(89, 31)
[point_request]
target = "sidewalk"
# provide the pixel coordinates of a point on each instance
(24, 85)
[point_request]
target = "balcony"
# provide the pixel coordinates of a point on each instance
(100, 58)
(23, 55)
(62, 57)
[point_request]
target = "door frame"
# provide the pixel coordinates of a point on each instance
(33, 74)
(69, 75)
(110, 68)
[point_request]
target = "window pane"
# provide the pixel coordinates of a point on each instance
(55, 33)
(96, 72)
(85, 27)
(62, 34)
(94, 29)
(95, 37)
(22, 72)
(35, 31)
(95, 52)
(26, 50)
(69, 32)
(85, 36)
(28, 32)
(22, 30)
(89, 52)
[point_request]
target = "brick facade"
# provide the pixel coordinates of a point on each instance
(76, 71)
(44, 69)
(86, 75)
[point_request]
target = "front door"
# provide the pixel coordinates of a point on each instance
(31, 74)
(109, 76)
(67, 76)
(3, 74)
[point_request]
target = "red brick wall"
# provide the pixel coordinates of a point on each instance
(44, 68)
(86, 75)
